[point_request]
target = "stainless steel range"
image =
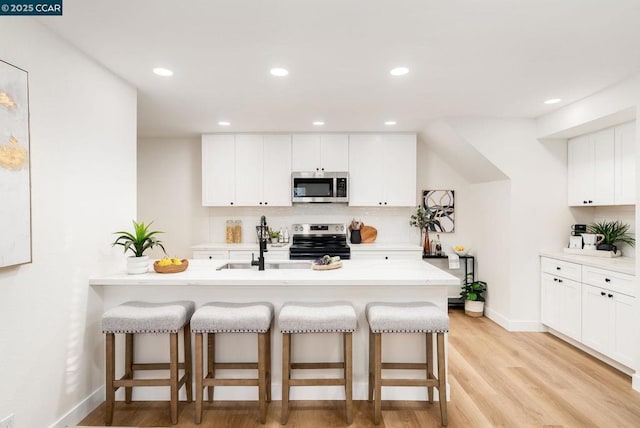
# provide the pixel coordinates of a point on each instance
(311, 241)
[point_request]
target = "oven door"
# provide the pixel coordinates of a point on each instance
(313, 189)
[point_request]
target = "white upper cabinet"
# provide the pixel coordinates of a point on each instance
(320, 152)
(218, 170)
(601, 167)
(382, 170)
(625, 164)
(246, 170)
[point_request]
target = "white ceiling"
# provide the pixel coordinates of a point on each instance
(467, 58)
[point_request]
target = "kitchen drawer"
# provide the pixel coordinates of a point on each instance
(614, 281)
(561, 268)
(211, 255)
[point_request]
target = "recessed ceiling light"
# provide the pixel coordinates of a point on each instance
(553, 101)
(224, 123)
(164, 72)
(318, 123)
(390, 122)
(399, 71)
(280, 72)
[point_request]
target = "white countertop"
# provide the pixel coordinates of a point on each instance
(353, 273)
(223, 246)
(617, 264)
(391, 246)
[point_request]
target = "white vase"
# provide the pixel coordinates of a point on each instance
(473, 308)
(137, 265)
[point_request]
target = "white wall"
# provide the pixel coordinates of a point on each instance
(539, 216)
(83, 126)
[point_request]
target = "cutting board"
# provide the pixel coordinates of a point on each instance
(368, 234)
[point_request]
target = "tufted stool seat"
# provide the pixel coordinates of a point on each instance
(331, 317)
(135, 317)
(221, 317)
(412, 317)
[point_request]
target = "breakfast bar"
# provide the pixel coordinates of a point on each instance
(357, 281)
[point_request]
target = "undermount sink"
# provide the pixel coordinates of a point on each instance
(273, 265)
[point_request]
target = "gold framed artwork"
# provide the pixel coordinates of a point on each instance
(15, 167)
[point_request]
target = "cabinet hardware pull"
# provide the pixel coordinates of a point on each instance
(266, 203)
(555, 279)
(610, 295)
(607, 280)
(584, 202)
(379, 203)
(559, 280)
(260, 203)
(590, 201)
(557, 267)
(385, 203)
(602, 293)
(231, 203)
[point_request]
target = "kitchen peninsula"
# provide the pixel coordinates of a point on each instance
(358, 281)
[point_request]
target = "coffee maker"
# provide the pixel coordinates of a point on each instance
(575, 238)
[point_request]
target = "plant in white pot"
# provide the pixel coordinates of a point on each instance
(473, 294)
(138, 242)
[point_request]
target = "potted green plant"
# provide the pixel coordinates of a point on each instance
(472, 293)
(421, 220)
(138, 242)
(274, 235)
(613, 231)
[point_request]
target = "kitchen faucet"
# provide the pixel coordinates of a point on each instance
(262, 240)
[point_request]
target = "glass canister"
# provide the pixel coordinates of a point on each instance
(237, 232)
(230, 227)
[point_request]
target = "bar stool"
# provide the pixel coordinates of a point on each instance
(414, 317)
(132, 318)
(332, 317)
(219, 317)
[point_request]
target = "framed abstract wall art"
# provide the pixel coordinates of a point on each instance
(440, 208)
(15, 169)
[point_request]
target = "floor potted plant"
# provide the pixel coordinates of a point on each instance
(473, 295)
(138, 242)
(614, 231)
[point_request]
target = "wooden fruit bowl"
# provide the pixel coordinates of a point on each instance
(171, 268)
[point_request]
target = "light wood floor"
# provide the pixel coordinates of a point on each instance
(498, 379)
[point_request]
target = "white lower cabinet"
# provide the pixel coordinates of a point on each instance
(211, 255)
(608, 325)
(357, 254)
(593, 306)
(562, 304)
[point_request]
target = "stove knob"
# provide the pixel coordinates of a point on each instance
(342, 228)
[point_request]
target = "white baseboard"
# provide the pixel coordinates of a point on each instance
(249, 393)
(81, 410)
(511, 325)
(635, 382)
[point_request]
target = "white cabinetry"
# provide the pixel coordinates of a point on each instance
(601, 167)
(561, 297)
(591, 305)
(320, 152)
(246, 170)
(381, 254)
(382, 170)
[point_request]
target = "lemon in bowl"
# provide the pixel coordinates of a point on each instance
(461, 250)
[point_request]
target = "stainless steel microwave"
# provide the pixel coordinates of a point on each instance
(319, 187)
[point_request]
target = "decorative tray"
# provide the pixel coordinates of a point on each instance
(593, 253)
(336, 265)
(171, 268)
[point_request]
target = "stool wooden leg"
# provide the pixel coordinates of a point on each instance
(348, 375)
(377, 405)
(128, 365)
(371, 363)
(188, 370)
(429, 367)
(286, 367)
(173, 375)
(268, 363)
(199, 375)
(110, 362)
(262, 376)
(442, 381)
(211, 358)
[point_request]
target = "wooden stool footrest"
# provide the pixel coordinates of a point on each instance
(317, 365)
(316, 382)
(409, 382)
(230, 366)
(229, 382)
(155, 366)
(404, 366)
